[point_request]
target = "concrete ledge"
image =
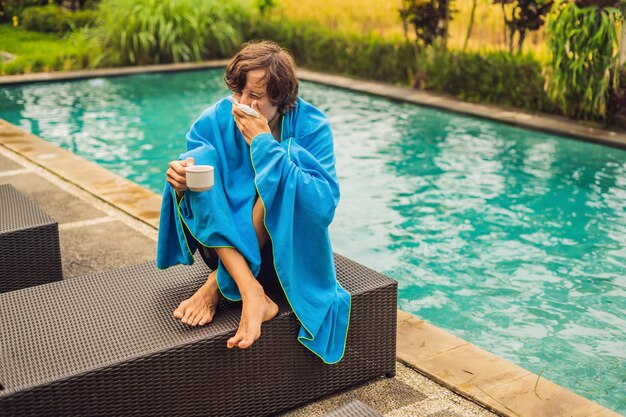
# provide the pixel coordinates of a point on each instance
(483, 377)
(107, 72)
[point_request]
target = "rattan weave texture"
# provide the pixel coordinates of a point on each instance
(354, 408)
(106, 344)
(30, 253)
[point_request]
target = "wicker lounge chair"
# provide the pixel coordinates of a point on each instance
(354, 408)
(106, 344)
(29, 243)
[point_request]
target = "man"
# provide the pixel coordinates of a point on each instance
(275, 183)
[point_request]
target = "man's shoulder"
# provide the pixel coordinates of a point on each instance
(309, 109)
(309, 117)
(214, 113)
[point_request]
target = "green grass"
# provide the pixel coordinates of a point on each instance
(37, 52)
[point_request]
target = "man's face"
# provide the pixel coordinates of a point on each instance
(256, 89)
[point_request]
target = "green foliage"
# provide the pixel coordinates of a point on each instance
(10, 8)
(616, 106)
(584, 64)
(155, 31)
(38, 52)
(87, 48)
(266, 6)
(52, 19)
(429, 19)
(90, 4)
(598, 3)
(496, 77)
(526, 15)
(490, 77)
(317, 47)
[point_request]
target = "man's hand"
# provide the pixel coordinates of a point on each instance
(250, 126)
(177, 175)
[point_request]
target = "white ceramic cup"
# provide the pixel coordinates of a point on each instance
(200, 177)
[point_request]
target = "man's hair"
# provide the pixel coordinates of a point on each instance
(282, 84)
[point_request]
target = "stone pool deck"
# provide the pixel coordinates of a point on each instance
(108, 222)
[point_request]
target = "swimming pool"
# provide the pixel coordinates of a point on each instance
(512, 239)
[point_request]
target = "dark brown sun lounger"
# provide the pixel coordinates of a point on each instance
(107, 344)
(29, 243)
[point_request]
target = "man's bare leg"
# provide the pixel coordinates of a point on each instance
(258, 214)
(257, 307)
(199, 309)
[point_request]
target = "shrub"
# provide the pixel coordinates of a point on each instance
(497, 77)
(317, 47)
(38, 52)
(616, 105)
(10, 8)
(584, 66)
(489, 77)
(52, 19)
(155, 31)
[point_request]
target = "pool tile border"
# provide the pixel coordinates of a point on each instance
(485, 378)
(474, 373)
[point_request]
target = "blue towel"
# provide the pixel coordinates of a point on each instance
(297, 184)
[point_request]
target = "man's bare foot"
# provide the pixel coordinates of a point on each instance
(199, 309)
(257, 308)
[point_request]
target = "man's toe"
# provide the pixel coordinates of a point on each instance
(234, 341)
(180, 310)
(196, 318)
(187, 315)
(207, 317)
(248, 339)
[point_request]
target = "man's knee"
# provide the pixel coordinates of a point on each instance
(209, 255)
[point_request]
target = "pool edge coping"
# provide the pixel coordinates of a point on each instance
(133, 199)
(543, 122)
(505, 388)
(485, 378)
(39, 77)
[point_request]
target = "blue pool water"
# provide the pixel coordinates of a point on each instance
(512, 239)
